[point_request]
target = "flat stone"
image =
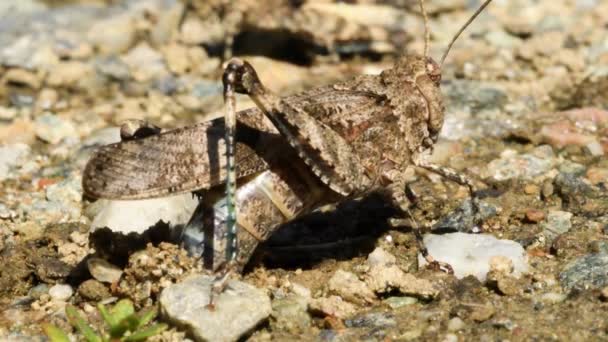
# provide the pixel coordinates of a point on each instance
(471, 254)
(137, 216)
(587, 272)
(239, 309)
(104, 271)
(61, 292)
(557, 223)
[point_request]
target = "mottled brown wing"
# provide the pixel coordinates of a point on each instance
(181, 160)
(192, 158)
(325, 128)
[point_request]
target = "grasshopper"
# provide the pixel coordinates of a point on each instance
(262, 167)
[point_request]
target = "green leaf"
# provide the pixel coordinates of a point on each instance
(107, 317)
(118, 318)
(145, 316)
(81, 325)
(55, 334)
(143, 334)
(122, 309)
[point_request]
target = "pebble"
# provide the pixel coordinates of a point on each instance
(52, 128)
(104, 271)
(348, 286)
(66, 192)
(597, 175)
(456, 324)
(112, 67)
(237, 311)
(552, 297)
(113, 35)
(61, 292)
(145, 64)
(70, 74)
(139, 215)
(587, 272)
(385, 276)
(332, 306)
(168, 17)
(93, 290)
(556, 223)
(290, 314)
(604, 293)
(37, 291)
(470, 254)
(397, 302)
(525, 166)
(462, 219)
(11, 157)
(23, 77)
(534, 215)
(372, 320)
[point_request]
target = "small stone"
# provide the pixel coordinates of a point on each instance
(167, 21)
(534, 215)
(290, 315)
(450, 338)
(66, 191)
(38, 290)
(237, 311)
(526, 166)
(145, 63)
(61, 292)
(46, 99)
(139, 215)
(557, 223)
(552, 298)
(477, 312)
(548, 189)
(587, 272)
(113, 68)
(372, 320)
(531, 189)
(456, 324)
(597, 175)
(177, 58)
(93, 290)
(333, 306)
(7, 113)
(604, 293)
(470, 254)
(193, 32)
(52, 128)
(113, 35)
(501, 264)
(462, 219)
(69, 74)
(23, 77)
(595, 148)
(300, 290)
(397, 302)
(11, 158)
(385, 276)
(104, 271)
(349, 287)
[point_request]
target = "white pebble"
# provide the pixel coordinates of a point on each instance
(61, 292)
(470, 254)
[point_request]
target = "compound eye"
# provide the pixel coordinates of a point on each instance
(430, 68)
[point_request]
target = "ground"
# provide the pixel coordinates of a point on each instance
(525, 93)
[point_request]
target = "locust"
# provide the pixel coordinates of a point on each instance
(259, 168)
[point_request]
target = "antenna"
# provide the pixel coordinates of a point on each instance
(479, 10)
(427, 32)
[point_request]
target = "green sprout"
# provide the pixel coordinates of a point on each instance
(123, 324)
